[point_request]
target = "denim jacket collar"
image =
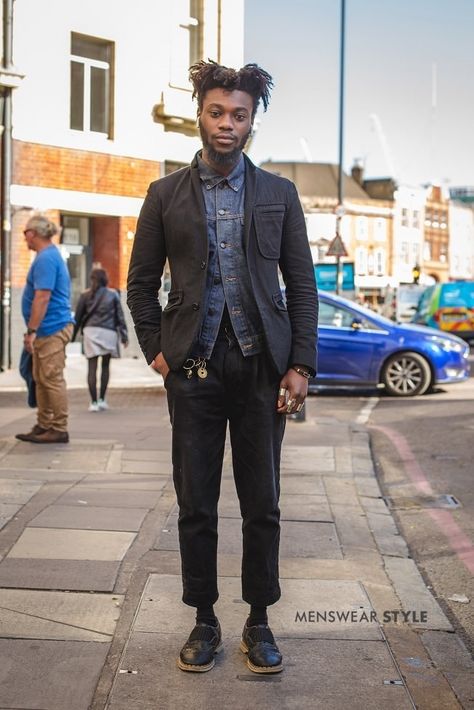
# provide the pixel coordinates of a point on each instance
(235, 179)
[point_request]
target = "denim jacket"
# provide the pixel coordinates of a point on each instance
(228, 280)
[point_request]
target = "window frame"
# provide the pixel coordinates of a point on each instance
(190, 22)
(88, 64)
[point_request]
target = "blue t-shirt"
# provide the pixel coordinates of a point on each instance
(49, 272)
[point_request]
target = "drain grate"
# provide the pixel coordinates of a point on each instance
(446, 500)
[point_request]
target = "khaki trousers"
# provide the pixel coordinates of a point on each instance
(49, 361)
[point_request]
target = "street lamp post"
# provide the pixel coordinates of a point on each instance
(340, 195)
(10, 79)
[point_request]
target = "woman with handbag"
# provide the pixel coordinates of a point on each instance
(99, 315)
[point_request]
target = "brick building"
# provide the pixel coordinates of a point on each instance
(104, 108)
(436, 237)
(366, 227)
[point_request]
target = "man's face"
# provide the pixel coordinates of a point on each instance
(29, 235)
(225, 122)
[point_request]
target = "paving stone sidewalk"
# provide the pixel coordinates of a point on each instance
(90, 588)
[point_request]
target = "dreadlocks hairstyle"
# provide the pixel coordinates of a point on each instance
(205, 76)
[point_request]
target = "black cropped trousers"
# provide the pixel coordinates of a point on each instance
(243, 392)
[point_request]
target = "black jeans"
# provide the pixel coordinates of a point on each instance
(243, 392)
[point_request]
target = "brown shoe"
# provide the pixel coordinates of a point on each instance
(34, 432)
(50, 436)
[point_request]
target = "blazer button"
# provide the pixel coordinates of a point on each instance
(195, 306)
(203, 264)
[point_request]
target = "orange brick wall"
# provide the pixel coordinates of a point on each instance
(128, 226)
(84, 171)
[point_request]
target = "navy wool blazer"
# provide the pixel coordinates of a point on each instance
(172, 225)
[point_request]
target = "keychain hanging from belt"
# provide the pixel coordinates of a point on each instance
(199, 364)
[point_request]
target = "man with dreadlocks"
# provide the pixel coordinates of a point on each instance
(229, 346)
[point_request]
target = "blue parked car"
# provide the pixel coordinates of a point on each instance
(358, 347)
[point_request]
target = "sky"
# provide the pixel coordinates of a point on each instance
(393, 50)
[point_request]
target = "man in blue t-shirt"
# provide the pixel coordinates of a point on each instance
(47, 313)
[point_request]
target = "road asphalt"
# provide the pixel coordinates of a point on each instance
(90, 589)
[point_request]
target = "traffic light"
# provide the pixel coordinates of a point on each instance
(416, 273)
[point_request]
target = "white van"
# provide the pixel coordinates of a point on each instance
(402, 301)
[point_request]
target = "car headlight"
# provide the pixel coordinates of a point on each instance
(448, 344)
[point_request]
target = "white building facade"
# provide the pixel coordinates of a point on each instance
(105, 108)
(408, 231)
(461, 241)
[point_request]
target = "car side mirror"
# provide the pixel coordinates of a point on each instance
(356, 324)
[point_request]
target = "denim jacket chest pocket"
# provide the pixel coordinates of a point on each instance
(268, 220)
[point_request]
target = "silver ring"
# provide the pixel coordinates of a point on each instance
(300, 407)
(282, 391)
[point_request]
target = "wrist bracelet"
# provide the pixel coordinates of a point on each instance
(300, 371)
(30, 331)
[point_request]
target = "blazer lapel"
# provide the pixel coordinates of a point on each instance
(201, 220)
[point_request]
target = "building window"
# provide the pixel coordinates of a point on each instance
(379, 262)
(187, 47)
(405, 253)
(427, 251)
(416, 219)
(405, 220)
(361, 261)
(415, 248)
(91, 84)
(370, 262)
(362, 228)
(380, 230)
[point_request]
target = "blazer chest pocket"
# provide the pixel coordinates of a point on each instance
(175, 298)
(269, 227)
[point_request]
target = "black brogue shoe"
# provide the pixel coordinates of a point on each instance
(197, 654)
(263, 655)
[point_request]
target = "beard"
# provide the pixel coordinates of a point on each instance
(216, 156)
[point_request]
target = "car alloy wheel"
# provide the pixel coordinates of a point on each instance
(406, 374)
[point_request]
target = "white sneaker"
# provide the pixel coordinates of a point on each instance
(94, 407)
(102, 404)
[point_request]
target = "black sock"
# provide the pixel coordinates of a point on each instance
(258, 615)
(205, 615)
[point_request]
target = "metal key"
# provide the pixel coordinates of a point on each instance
(201, 369)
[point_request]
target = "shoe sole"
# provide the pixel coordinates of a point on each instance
(198, 669)
(26, 437)
(259, 669)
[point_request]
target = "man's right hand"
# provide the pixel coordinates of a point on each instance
(160, 365)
